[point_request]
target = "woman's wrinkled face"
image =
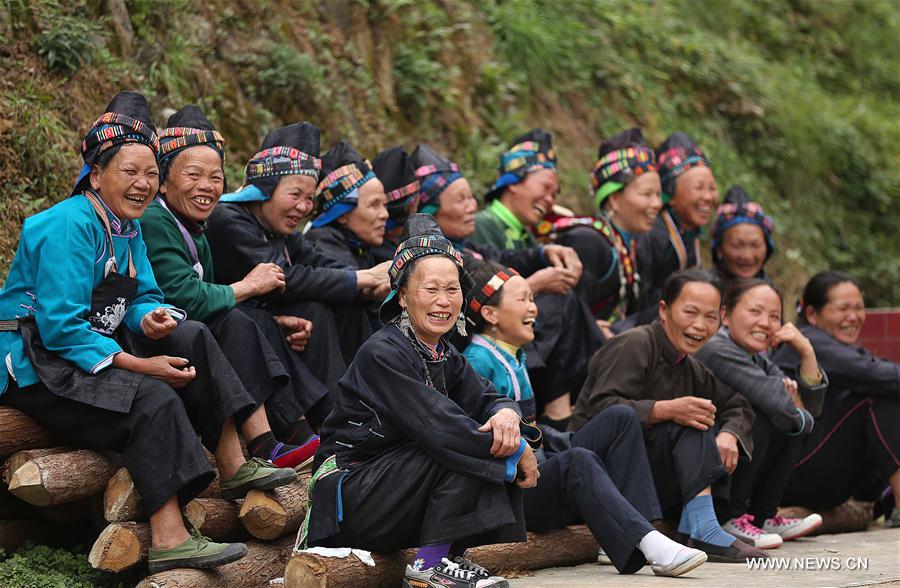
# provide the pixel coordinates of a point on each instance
(755, 318)
(128, 182)
(692, 318)
(291, 202)
(743, 250)
(195, 182)
(368, 218)
(843, 315)
(695, 197)
(514, 316)
(533, 197)
(456, 215)
(635, 207)
(432, 297)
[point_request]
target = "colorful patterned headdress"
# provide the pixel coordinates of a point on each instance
(188, 127)
(435, 173)
(677, 154)
(421, 237)
(288, 150)
(345, 172)
(126, 120)
(488, 278)
(529, 153)
(738, 208)
(621, 159)
(395, 170)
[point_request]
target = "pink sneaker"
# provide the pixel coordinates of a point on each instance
(790, 529)
(743, 528)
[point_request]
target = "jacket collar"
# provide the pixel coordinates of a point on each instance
(669, 354)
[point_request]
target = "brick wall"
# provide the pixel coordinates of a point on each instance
(881, 333)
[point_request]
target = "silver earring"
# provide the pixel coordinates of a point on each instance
(461, 324)
(405, 324)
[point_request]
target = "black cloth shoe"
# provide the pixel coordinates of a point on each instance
(737, 552)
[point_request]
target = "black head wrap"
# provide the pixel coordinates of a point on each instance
(528, 153)
(344, 171)
(395, 170)
(620, 159)
(125, 120)
(421, 237)
(677, 154)
(188, 127)
(435, 173)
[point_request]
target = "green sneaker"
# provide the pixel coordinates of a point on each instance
(196, 552)
(256, 474)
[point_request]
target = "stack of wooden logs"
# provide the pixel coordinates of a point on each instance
(62, 496)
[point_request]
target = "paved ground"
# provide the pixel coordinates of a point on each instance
(833, 557)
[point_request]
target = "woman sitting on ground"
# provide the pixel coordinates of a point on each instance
(784, 410)
(741, 238)
(95, 357)
(419, 450)
(192, 181)
(598, 475)
(854, 450)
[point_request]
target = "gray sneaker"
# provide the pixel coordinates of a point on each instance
(448, 574)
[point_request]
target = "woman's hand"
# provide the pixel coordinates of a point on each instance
(553, 280)
(792, 389)
(564, 257)
(809, 365)
(157, 324)
(505, 427)
(262, 279)
(527, 470)
(728, 450)
(297, 330)
(170, 370)
(374, 282)
(605, 328)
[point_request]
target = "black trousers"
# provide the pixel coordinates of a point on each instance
(565, 338)
(684, 461)
(758, 485)
(604, 481)
(338, 332)
(404, 498)
(271, 371)
(852, 451)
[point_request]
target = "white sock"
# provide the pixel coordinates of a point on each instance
(658, 548)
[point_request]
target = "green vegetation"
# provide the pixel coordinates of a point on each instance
(796, 100)
(38, 566)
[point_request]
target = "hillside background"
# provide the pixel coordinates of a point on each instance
(796, 100)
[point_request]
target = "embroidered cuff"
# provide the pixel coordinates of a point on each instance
(513, 460)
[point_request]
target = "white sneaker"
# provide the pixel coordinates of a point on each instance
(602, 558)
(790, 529)
(743, 528)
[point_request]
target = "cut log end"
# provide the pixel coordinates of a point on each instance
(26, 484)
(121, 501)
(120, 546)
(262, 516)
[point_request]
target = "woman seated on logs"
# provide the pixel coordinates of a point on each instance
(695, 426)
(94, 355)
(192, 181)
(258, 224)
(598, 475)
(419, 450)
(854, 450)
(626, 191)
(741, 238)
(784, 410)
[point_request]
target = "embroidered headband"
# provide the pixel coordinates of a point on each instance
(730, 214)
(174, 139)
(675, 161)
(619, 167)
(520, 160)
(112, 129)
(417, 247)
(342, 184)
(281, 161)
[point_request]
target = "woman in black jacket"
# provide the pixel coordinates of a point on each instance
(854, 450)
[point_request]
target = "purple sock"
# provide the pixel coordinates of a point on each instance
(429, 556)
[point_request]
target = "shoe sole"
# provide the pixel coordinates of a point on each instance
(685, 567)
(271, 481)
(801, 534)
(406, 584)
(210, 561)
